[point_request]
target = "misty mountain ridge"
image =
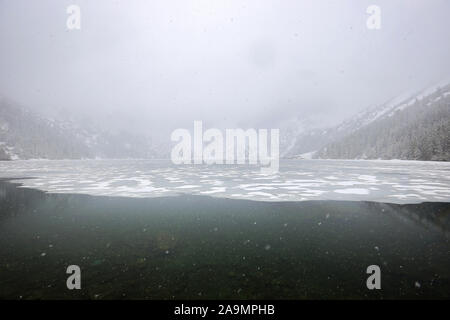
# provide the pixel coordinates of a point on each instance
(27, 135)
(414, 127)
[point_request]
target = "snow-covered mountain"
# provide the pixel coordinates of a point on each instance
(297, 135)
(411, 126)
(416, 128)
(388, 109)
(364, 135)
(27, 135)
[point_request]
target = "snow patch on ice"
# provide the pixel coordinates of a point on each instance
(353, 191)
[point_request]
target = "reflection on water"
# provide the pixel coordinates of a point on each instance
(195, 247)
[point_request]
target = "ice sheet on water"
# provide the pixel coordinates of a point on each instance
(298, 180)
(353, 191)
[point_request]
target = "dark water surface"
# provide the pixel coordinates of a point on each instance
(195, 247)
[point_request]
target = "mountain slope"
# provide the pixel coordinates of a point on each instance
(26, 135)
(416, 129)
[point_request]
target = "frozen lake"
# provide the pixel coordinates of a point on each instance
(155, 246)
(298, 180)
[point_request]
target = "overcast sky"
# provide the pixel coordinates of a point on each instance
(148, 65)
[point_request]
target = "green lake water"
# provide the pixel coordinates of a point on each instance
(199, 247)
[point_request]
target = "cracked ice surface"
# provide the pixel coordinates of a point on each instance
(392, 181)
